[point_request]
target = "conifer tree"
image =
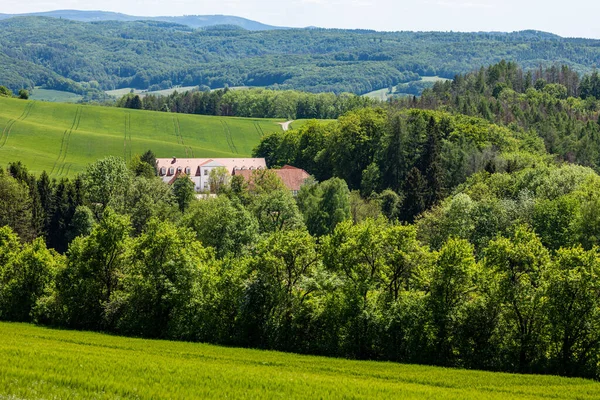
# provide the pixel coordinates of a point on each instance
(416, 193)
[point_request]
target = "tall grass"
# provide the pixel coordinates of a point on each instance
(40, 363)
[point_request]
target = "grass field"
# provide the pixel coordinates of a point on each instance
(63, 138)
(433, 79)
(40, 363)
(299, 123)
(55, 96)
(384, 94)
(381, 94)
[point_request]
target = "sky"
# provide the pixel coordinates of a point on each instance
(574, 18)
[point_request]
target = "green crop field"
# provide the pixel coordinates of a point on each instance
(299, 123)
(63, 138)
(40, 363)
(57, 96)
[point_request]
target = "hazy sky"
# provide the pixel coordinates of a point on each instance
(567, 18)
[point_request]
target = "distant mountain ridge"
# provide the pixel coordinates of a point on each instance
(192, 21)
(88, 58)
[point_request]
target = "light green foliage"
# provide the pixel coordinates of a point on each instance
(574, 310)
(273, 204)
(406, 261)
(96, 262)
(362, 209)
(148, 198)
(452, 286)
(107, 183)
(9, 245)
(5, 92)
(586, 222)
(25, 278)
(218, 180)
(63, 138)
(353, 143)
(82, 223)
(521, 264)
(557, 202)
(324, 205)
(222, 224)
(165, 261)
(141, 168)
(281, 280)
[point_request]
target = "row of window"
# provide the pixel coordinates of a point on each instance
(188, 171)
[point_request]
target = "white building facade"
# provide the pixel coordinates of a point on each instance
(198, 169)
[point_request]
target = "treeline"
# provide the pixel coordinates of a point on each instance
(419, 155)
(253, 103)
(555, 103)
(501, 276)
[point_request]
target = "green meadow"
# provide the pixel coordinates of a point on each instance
(63, 138)
(40, 363)
(58, 96)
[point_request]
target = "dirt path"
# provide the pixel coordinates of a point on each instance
(286, 125)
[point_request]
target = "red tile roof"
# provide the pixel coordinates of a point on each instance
(291, 177)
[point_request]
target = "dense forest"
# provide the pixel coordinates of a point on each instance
(253, 103)
(89, 57)
(432, 232)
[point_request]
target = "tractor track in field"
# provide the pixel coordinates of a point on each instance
(259, 130)
(189, 152)
(11, 123)
(64, 145)
(127, 137)
(229, 137)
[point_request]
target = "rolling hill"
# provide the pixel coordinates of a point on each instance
(39, 363)
(80, 57)
(63, 138)
(193, 21)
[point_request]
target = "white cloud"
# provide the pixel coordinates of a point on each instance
(459, 4)
(578, 19)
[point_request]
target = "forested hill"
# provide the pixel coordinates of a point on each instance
(81, 56)
(193, 21)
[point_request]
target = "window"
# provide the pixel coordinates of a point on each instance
(188, 170)
(163, 171)
(205, 172)
(171, 171)
(294, 193)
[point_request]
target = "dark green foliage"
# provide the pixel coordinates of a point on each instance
(147, 55)
(23, 94)
(222, 224)
(16, 207)
(391, 204)
(324, 205)
(25, 278)
(96, 262)
(559, 106)
(251, 102)
(184, 192)
(416, 195)
(163, 267)
(149, 158)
